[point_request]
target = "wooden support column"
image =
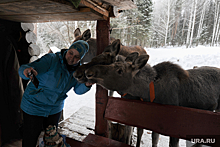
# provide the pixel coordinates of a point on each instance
(101, 126)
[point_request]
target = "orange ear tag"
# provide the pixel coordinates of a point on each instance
(152, 92)
(124, 94)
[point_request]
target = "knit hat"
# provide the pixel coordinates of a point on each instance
(81, 46)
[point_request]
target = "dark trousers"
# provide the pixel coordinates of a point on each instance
(33, 125)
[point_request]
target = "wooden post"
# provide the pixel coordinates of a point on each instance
(101, 125)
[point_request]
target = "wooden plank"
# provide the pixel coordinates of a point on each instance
(100, 141)
(83, 16)
(9, 1)
(45, 11)
(75, 143)
(79, 124)
(165, 119)
(34, 7)
(123, 4)
(103, 36)
(95, 7)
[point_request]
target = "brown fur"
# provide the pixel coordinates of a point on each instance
(104, 57)
(194, 88)
(107, 57)
(126, 50)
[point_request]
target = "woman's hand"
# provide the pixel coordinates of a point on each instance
(88, 84)
(28, 70)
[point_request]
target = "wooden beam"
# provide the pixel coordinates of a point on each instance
(83, 15)
(10, 1)
(34, 7)
(102, 35)
(168, 120)
(99, 141)
(66, 2)
(45, 11)
(73, 142)
(95, 7)
(122, 4)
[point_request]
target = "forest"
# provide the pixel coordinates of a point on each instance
(153, 24)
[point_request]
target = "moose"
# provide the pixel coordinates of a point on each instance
(86, 36)
(195, 88)
(110, 55)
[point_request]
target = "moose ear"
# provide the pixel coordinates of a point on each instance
(116, 45)
(140, 61)
(120, 58)
(86, 35)
(132, 57)
(77, 32)
(113, 48)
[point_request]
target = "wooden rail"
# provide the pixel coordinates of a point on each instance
(95, 141)
(100, 141)
(175, 121)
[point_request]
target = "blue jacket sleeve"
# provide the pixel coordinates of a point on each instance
(81, 88)
(40, 65)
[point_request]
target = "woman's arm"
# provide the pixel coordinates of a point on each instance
(81, 88)
(39, 66)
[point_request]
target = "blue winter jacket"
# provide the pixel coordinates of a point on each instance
(54, 82)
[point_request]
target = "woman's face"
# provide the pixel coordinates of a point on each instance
(72, 56)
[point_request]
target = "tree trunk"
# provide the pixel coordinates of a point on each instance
(194, 19)
(215, 23)
(76, 25)
(201, 23)
(217, 27)
(128, 37)
(183, 30)
(68, 31)
(136, 36)
(35, 28)
(189, 28)
(167, 25)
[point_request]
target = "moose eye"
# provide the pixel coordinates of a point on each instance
(120, 71)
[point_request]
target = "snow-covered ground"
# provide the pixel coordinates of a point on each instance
(187, 58)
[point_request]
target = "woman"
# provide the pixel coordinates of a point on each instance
(43, 105)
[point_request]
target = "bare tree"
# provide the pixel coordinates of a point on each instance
(194, 19)
(167, 23)
(216, 22)
(201, 21)
(189, 27)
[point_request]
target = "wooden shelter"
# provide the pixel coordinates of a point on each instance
(141, 114)
(14, 48)
(34, 11)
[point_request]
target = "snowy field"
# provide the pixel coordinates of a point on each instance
(187, 58)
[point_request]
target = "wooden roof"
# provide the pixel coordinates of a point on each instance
(32, 11)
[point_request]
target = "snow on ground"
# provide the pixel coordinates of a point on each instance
(187, 58)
